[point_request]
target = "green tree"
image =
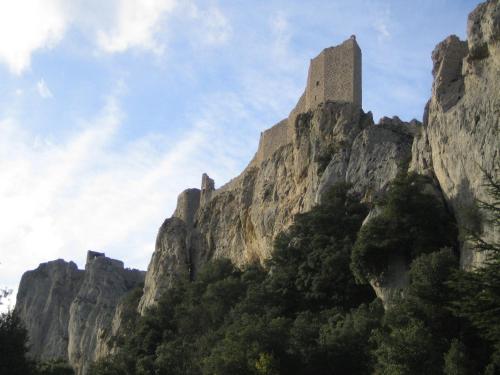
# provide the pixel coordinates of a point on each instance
(13, 346)
(417, 329)
(411, 222)
(309, 268)
(456, 361)
(478, 291)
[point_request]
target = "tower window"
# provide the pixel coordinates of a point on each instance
(317, 83)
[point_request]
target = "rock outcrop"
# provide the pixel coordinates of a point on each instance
(43, 300)
(91, 313)
(69, 312)
(460, 138)
(72, 314)
(334, 142)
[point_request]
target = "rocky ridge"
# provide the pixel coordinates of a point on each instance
(69, 312)
(298, 160)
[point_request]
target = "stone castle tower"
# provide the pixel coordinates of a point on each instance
(335, 75)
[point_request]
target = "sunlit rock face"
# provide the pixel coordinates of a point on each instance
(43, 300)
(334, 142)
(460, 137)
(72, 314)
(69, 313)
(92, 310)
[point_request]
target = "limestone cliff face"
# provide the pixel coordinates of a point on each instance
(72, 314)
(43, 300)
(105, 282)
(334, 142)
(460, 137)
(300, 158)
(69, 312)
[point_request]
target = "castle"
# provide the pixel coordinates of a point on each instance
(334, 75)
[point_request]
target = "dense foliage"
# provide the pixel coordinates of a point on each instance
(14, 349)
(410, 221)
(301, 314)
(307, 311)
(478, 292)
(304, 313)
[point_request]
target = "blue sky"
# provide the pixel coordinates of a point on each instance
(109, 109)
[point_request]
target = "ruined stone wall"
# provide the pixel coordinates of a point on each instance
(272, 139)
(187, 205)
(315, 91)
(335, 75)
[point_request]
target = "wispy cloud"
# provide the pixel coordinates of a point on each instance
(62, 197)
(114, 26)
(27, 26)
(381, 22)
(43, 89)
(135, 25)
(282, 34)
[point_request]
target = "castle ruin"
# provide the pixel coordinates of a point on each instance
(334, 75)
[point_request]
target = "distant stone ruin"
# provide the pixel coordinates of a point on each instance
(334, 75)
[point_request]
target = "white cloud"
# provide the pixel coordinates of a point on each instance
(113, 26)
(26, 26)
(43, 89)
(135, 25)
(381, 23)
(382, 29)
(210, 27)
(282, 34)
(60, 198)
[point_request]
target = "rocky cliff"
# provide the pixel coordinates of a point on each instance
(69, 312)
(43, 302)
(302, 156)
(460, 138)
(297, 161)
(334, 142)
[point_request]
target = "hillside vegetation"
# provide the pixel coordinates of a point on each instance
(309, 310)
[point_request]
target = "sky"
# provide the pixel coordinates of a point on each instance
(109, 109)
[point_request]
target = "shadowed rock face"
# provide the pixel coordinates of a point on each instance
(43, 302)
(69, 312)
(460, 137)
(91, 313)
(335, 142)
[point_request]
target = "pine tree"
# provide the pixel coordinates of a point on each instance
(479, 290)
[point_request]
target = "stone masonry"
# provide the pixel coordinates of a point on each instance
(335, 75)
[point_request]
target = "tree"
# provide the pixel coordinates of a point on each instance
(54, 367)
(456, 361)
(417, 329)
(13, 346)
(411, 222)
(309, 269)
(479, 290)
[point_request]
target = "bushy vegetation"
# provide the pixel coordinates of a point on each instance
(478, 292)
(411, 221)
(309, 309)
(14, 349)
(304, 312)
